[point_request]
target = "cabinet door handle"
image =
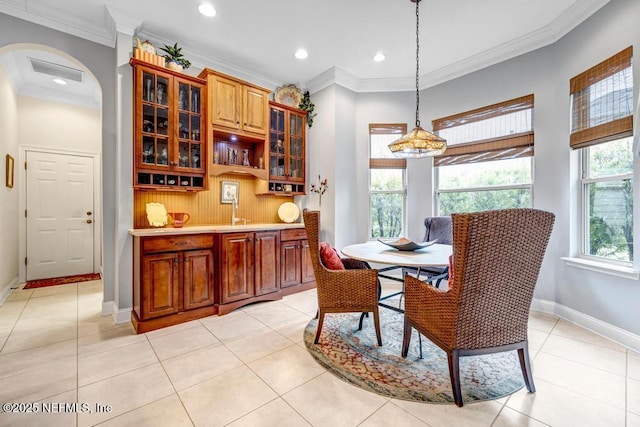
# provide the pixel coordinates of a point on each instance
(175, 261)
(89, 221)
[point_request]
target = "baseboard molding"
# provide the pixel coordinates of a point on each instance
(6, 290)
(614, 333)
(119, 315)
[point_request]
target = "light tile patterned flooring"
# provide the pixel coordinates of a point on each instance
(251, 368)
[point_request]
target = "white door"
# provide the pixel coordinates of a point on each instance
(60, 215)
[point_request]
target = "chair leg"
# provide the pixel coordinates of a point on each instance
(406, 337)
(454, 373)
(319, 328)
(362, 316)
(376, 322)
(523, 355)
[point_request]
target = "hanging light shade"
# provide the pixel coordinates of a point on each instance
(419, 142)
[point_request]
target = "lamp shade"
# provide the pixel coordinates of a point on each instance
(418, 143)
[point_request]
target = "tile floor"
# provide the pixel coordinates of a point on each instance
(251, 368)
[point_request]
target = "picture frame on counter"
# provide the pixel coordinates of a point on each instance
(229, 191)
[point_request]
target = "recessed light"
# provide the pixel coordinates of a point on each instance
(301, 54)
(207, 10)
(60, 81)
(379, 57)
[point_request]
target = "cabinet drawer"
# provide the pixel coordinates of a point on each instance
(293, 234)
(177, 243)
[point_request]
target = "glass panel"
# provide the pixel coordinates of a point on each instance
(163, 121)
(295, 125)
(148, 119)
(195, 128)
(273, 166)
(610, 213)
(183, 96)
(476, 201)
(183, 126)
(195, 156)
(163, 152)
(482, 174)
(386, 179)
(162, 95)
(611, 158)
(148, 88)
(386, 214)
(195, 99)
(148, 150)
(273, 142)
(183, 159)
(280, 121)
(296, 168)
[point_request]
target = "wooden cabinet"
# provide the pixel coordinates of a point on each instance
(238, 120)
(286, 141)
(173, 280)
(249, 268)
(169, 129)
(295, 259)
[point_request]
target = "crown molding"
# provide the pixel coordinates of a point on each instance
(122, 21)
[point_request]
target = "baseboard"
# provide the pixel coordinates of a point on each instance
(119, 315)
(6, 290)
(611, 332)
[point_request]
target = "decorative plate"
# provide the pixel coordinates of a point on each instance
(157, 215)
(404, 244)
(288, 95)
(288, 212)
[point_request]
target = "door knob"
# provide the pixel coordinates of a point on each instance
(88, 212)
(89, 221)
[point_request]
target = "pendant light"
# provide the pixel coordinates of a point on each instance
(419, 142)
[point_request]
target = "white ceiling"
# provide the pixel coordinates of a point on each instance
(256, 39)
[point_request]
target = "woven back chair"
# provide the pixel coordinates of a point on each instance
(496, 260)
(341, 291)
(436, 228)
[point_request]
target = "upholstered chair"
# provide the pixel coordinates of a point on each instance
(495, 264)
(353, 289)
(436, 228)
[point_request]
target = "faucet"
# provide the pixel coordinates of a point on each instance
(234, 208)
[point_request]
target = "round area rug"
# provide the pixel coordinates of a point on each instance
(354, 357)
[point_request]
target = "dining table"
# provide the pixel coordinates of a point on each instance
(376, 252)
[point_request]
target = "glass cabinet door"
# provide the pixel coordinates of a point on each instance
(155, 121)
(276, 144)
(189, 127)
(296, 147)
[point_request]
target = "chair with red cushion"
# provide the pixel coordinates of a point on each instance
(497, 257)
(353, 289)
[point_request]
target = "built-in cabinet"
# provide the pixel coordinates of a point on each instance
(295, 259)
(286, 141)
(173, 275)
(248, 268)
(181, 277)
(238, 120)
(169, 129)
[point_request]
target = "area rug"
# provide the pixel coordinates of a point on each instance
(41, 283)
(354, 357)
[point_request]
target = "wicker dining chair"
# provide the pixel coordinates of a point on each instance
(341, 291)
(495, 264)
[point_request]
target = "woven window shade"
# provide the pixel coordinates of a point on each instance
(495, 132)
(602, 102)
(389, 161)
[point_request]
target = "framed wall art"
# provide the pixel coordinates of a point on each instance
(229, 191)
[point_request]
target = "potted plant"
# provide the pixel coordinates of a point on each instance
(308, 106)
(175, 58)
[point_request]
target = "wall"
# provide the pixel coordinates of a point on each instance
(100, 61)
(8, 196)
(56, 125)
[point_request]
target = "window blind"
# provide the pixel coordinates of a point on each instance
(381, 135)
(602, 102)
(499, 131)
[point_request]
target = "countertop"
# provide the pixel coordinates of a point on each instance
(198, 229)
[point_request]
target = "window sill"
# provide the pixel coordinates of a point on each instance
(601, 267)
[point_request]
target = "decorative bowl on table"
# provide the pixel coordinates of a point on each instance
(404, 244)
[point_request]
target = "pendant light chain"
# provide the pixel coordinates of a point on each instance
(417, 63)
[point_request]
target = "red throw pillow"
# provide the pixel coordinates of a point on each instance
(330, 257)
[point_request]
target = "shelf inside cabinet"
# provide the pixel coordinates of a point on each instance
(263, 187)
(235, 154)
(168, 181)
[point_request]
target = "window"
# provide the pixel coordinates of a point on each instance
(488, 161)
(387, 182)
(601, 128)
